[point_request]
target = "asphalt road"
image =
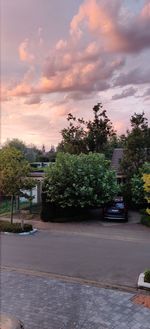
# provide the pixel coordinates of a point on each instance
(109, 259)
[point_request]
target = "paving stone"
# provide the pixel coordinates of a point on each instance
(43, 303)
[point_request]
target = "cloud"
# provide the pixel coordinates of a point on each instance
(125, 93)
(118, 30)
(102, 34)
(21, 90)
(24, 53)
(136, 76)
(33, 99)
(147, 92)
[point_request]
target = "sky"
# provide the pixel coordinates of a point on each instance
(66, 56)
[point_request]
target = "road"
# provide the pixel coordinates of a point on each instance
(109, 256)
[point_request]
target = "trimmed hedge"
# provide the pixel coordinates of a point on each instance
(147, 276)
(51, 212)
(14, 227)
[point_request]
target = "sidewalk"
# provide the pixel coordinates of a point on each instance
(43, 303)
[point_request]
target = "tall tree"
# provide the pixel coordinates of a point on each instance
(137, 146)
(87, 136)
(136, 153)
(74, 136)
(100, 130)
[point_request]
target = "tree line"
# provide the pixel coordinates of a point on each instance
(82, 137)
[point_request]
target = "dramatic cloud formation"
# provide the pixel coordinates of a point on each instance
(125, 33)
(100, 49)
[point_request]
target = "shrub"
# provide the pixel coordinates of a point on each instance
(79, 182)
(147, 276)
(14, 227)
(145, 219)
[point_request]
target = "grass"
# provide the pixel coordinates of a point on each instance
(6, 226)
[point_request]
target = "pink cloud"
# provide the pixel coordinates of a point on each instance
(105, 19)
(89, 59)
(21, 90)
(24, 53)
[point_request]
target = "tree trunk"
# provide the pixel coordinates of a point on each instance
(12, 208)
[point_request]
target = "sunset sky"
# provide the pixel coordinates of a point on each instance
(61, 56)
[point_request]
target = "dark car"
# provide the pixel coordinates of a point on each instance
(117, 210)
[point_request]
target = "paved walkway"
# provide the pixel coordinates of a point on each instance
(43, 303)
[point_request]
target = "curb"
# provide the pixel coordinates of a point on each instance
(22, 233)
(142, 283)
(71, 279)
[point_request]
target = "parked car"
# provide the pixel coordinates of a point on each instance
(117, 210)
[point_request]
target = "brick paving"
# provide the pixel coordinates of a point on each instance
(43, 303)
(142, 300)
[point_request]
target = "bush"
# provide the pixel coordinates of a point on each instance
(78, 182)
(145, 220)
(14, 227)
(147, 276)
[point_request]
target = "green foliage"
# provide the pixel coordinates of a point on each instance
(137, 186)
(136, 146)
(14, 227)
(74, 136)
(145, 219)
(87, 136)
(80, 181)
(31, 153)
(137, 190)
(146, 168)
(99, 130)
(147, 276)
(14, 172)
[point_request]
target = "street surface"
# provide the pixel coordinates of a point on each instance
(55, 279)
(108, 255)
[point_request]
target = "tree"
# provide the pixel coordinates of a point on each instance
(140, 186)
(14, 172)
(87, 136)
(100, 130)
(137, 146)
(137, 191)
(30, 152)
(146, 180)
(51, 154)
(17, 144)
(80, 181)
(74, 136)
